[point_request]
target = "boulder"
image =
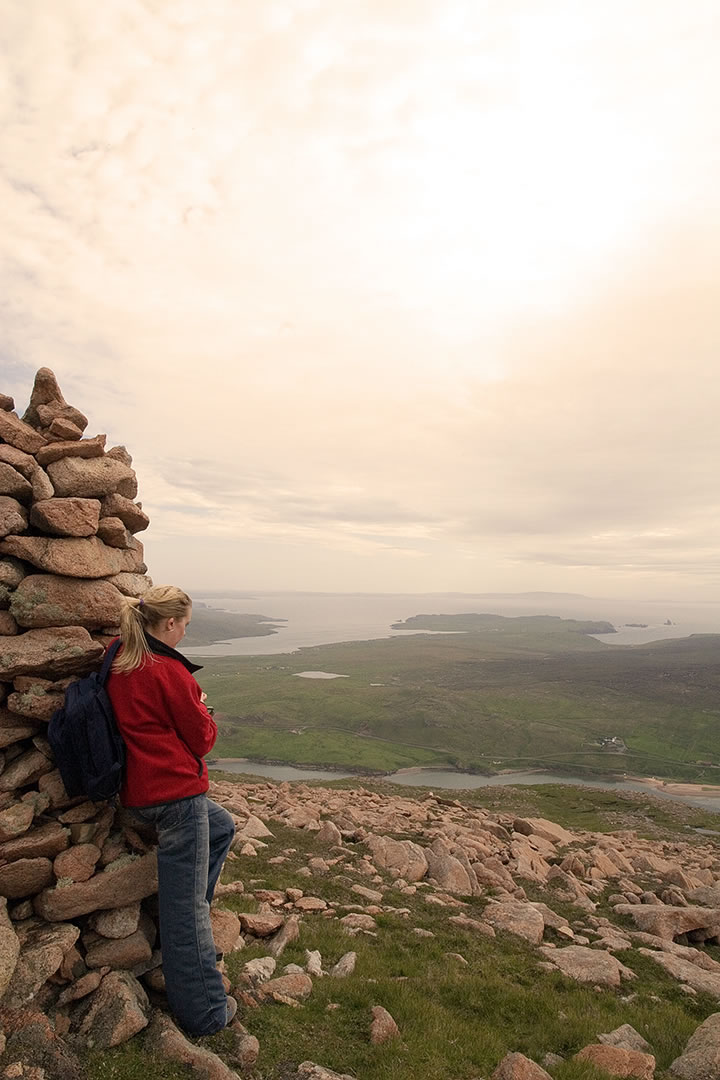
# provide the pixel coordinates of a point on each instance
(118, 922)
(131, 584)
(588, 965)
(448, 872)
(522, 920)
(42, 488)
(518, 1067)
(25, 878)
(83, 450)
(15, 820)
(52, 653)
(77, 863)
(63, 429)
(297, 987)
(627, 1038)
(13, 518)
(383, 1027)
(19, 434)
(119, 1009)
(308, 1070)
(548, 830)
(402, 858)
(24, 463)
(699, 979)
(670, 922)
(66, 517)
(345, 966)
(42, 600)
(132, 516)
(91, 478)
(618, 1061)
(76, 557)
(46, 841)
(119, 953)
(288, 933)
(13, 484)
(169, 1044)
(24, 769)
(119, 884)
(47, 402)
(700, 1060)
(225, 929)
(261, 925)
(41, 955)
(329, 834)
(113, 533)
(35, 704)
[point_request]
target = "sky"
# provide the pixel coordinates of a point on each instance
(381, 295)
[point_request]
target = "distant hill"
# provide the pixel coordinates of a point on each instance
(210, 626)
(471, 621)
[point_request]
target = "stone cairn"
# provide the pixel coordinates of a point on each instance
(78, 881)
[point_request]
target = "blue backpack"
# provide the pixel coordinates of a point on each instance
(89, 750)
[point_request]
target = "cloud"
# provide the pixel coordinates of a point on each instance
(375, 282)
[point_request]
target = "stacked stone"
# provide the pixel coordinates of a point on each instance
(73, 873)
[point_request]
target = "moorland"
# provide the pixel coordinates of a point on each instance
(502, 693)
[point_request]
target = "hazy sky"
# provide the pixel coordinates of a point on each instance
(387, 295)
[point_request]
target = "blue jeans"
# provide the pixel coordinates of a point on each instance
(194, 836)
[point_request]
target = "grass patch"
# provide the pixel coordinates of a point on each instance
(507, 696)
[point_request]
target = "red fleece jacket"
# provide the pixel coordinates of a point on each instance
(167, 731)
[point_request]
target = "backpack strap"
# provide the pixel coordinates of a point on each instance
(109, 657)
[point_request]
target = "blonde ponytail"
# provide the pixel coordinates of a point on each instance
(138, 617)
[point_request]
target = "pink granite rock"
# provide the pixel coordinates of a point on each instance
(125, 953)
(14, 484)
(66, 517)
(55, 653)
(132, 516)
(13, 517)
(121, 883)
(518, 1067)
(169, 1044)
(113, 533)
(42, 600)
(77, 863)
(119, 1009)
(90, 478)
(84, 450)
(383, 1027)
(74, 557)
(19, 434)
(24, 878)
(617, 1061)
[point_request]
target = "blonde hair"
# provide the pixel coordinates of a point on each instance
(138, 617)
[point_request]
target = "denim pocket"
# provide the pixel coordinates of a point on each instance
(166, 815)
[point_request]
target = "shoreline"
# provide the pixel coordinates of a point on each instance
(668, 787)
(679, 787)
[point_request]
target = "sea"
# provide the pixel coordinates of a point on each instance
(304, 619)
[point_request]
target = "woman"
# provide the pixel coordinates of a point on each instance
(160, 712)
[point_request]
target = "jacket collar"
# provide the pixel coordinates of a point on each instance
(159, 648)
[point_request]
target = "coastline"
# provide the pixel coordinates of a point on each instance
(679, 787)
(668, 787)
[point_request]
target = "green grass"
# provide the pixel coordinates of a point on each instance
(510, 698)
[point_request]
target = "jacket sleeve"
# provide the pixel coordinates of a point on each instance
(192, 721)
